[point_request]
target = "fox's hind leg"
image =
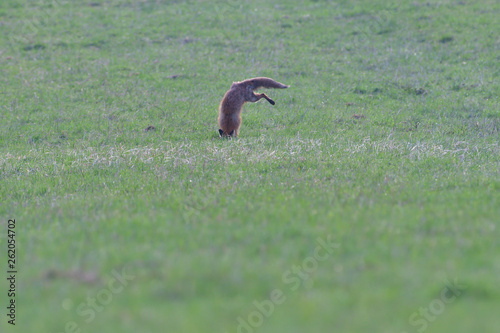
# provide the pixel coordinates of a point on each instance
(258, 97)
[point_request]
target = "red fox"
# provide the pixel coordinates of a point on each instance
(240, 93)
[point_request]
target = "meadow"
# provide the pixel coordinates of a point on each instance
(366, 200)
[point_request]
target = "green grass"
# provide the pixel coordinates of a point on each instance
(387, 143)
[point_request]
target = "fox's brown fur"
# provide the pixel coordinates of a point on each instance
(240, 93)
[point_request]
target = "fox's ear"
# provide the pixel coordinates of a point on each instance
(221, 132)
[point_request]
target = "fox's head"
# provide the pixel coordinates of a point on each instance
(225, 135)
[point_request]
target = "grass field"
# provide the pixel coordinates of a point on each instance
(366, 200)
